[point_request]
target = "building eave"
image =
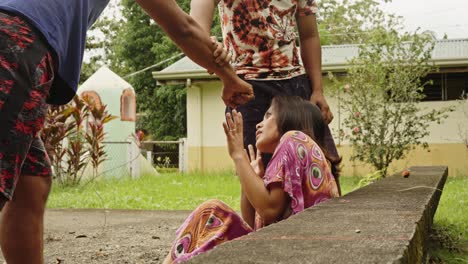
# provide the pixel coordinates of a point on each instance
(451, 62)
(201, 75)
(447, 55)
(182, 75)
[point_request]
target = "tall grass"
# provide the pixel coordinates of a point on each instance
(349, 184)
(451, 223)
(453, 206)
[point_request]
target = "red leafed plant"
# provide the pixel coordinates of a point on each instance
(70, 146)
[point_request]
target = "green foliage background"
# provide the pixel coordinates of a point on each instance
(132, 41)
(385, 120)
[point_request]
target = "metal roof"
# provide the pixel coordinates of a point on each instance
(446, 53)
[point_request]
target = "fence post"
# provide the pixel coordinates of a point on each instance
(136, 170)
(129, 157)
(183, 155)
(149, 157)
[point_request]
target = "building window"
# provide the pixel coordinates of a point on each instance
(457, 85)
(128, 106)
(93, 98)
(433, 91)
(445, 86)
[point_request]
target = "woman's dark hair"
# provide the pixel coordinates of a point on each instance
(295, 113)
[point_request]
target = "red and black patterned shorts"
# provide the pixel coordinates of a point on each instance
(26, 75)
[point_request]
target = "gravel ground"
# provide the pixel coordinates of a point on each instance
(109, 236)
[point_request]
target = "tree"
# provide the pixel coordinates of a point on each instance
(381, 97)
(169, 122)
(127, 41)
(348, 22)
(139, 44)
(100, 41)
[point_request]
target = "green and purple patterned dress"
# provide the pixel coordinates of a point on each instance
(304, 173)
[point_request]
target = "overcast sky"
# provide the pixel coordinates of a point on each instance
(441, 16)
(446, 16)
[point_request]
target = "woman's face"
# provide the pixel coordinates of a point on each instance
(267, 135)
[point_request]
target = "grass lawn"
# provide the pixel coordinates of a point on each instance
(185, 192)
(166, 192)
(451, 223)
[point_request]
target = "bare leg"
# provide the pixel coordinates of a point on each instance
(22, 225)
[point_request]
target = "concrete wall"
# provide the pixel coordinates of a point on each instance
(207, 143)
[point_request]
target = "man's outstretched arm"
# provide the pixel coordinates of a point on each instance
(197, 45)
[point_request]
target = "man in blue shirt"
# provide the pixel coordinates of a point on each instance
(41, 51)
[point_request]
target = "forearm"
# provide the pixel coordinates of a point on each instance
(187, 34)
(311, 51)
(311, 54)
(253, 188)
(268, 201)
(247, 210)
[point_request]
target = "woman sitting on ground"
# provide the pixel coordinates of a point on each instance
(299, 175)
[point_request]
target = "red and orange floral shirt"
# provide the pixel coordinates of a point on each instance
(260, 35)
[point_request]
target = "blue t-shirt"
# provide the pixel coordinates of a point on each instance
(63, 23)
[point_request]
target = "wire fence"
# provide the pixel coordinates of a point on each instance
(119, 158)
(166, 154)
(124, 158)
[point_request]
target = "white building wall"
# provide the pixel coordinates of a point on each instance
(207, 143)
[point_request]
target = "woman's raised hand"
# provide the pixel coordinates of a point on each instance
(233, 128)
(256, 161)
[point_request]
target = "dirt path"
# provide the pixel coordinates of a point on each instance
(109, 236)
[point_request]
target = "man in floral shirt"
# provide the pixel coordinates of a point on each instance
(260, 38)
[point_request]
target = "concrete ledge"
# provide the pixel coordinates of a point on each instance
(385, 222)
